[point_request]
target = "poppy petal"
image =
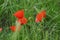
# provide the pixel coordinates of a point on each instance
(40, 16)
(13, 28)
(19, 14)
(43, 13)
(0, 29)
(36, 20)
(22, 20)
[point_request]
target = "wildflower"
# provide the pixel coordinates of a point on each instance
(0, 29)
(13, 28)
(22, 21)
(19, 14)
(40, 16)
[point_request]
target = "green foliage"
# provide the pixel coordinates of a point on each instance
(48, 30)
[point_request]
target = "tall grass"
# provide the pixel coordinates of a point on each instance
(49, 29)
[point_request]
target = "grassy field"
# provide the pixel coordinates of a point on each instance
(49, 30)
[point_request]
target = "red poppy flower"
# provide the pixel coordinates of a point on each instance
(13, 28)
(0, 29)
(19, 14)
(22, 21)
(40, 16)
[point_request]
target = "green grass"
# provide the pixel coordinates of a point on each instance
(49, 30)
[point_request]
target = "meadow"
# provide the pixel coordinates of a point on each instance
(48, 29)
